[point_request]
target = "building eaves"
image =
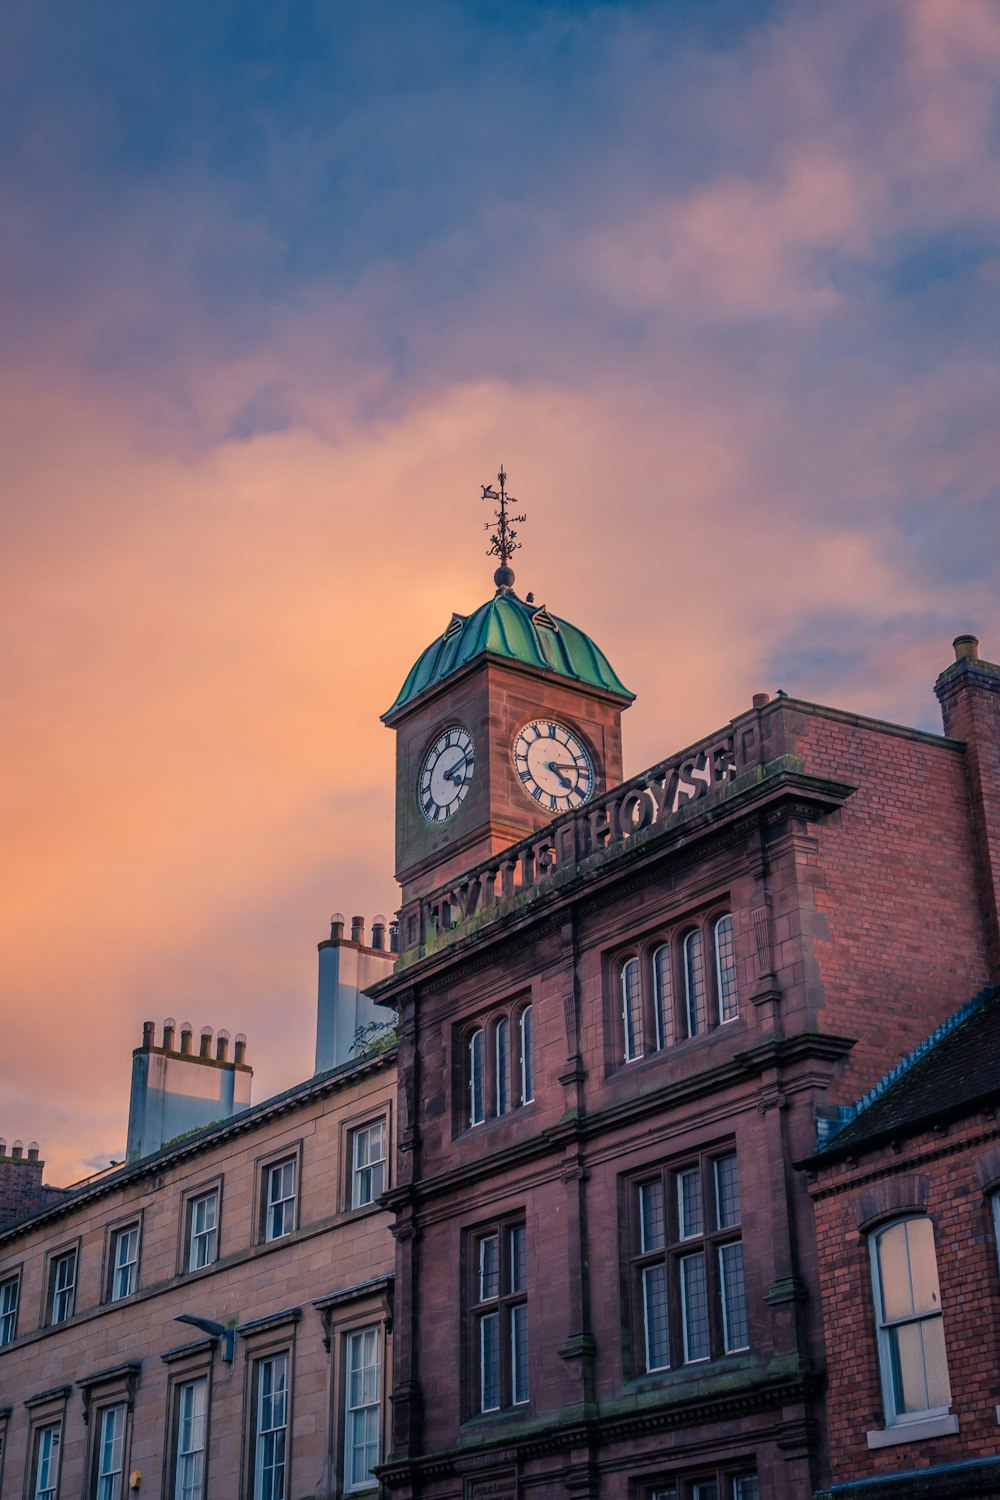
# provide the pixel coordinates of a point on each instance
(203, 1140)
(950, 1073)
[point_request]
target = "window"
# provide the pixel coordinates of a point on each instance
(203, 1230)
(499, 1071)
(189, 1461)
(270, 1427)
(124, 1262)
(62, 1286)
(499, 1309)
(718, 1487)
(911, 1348)
(362, 1407)
(110, 1454)
(48, 1441)
(689, 1297)
(367, 1164)
(9, 1290)
(279, 1199)
(668, 993)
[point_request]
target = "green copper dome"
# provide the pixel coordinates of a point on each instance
(511, 630)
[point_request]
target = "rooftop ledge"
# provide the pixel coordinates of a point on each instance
(667, 804)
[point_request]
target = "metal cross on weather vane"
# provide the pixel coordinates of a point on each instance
(503, 542)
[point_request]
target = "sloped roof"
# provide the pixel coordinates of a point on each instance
(953, 1071)
(508, 628)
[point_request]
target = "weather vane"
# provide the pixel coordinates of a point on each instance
(503, 542)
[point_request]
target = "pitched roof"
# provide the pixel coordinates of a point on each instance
(953, 1071)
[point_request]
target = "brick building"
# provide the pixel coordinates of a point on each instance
(906, 1195)
(616, 1035)
(621, 1008)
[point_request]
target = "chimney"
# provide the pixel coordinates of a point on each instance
(240, 1049)
(394, 936)
(358, 930)
(969, 694)
(22, 1192)
(337, 927)
(346, 970)
(175, 1092)
(378, 931)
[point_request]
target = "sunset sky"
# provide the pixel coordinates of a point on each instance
(282, 283)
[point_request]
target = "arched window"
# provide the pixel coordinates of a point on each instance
(910, 1327)
(477, 1080)
(725, 969)
(694, 983)
(632, 1009)
(663, 996)
(527, 1061)
(501, 1038)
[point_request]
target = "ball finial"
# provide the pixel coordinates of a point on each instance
(504, 577)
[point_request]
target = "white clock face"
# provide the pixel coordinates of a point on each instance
(446, 774)
(553, 766)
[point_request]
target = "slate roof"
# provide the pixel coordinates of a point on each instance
(508, 628)
(951, 1073)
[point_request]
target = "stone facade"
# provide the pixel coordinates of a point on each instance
(300, 1293)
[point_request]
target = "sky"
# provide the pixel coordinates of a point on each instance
(281, 286)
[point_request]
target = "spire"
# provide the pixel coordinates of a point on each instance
(503, 542)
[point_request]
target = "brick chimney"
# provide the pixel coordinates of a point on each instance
(21, 1191)
(969, 694)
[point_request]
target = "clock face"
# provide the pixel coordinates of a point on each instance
(446, 774)
(553, 766)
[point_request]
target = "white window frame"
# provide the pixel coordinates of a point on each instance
(362, 1399)
(264, 1485)
(124, 1267)
(190, 1440)
(203, 1243)
(62, 1302)
(10, 1300)
(885, 1329)
(109, 1462)
(368, 1171)
(47, 1448)
(280, 1206)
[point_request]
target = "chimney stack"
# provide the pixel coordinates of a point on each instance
(358, 930)
(175, 1091)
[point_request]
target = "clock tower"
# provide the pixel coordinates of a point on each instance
(509, 718)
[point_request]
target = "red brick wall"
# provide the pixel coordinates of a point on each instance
(21, 1190)
(970, 703)
(896, 919)
(970, 1302)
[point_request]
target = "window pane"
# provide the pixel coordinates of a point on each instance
(477, 1098)
(63, 1287)
(654, 1317)
(663, 995)
(368, 1164)
(694, 1304)
(735, 1331)
(705, 1489)
(527, 1060)
(935, 1362)
(502, 1040)
(694, 984)
(725, 969)
(518, 1258)
(669, 1493)
(894, 1273)
(632, 1010)
(109, 1455)
(8, 1309)
(489, 1268)
(519, 1352)
(727, 1192)
(272, 1410)
(489, 1362)
(745, 1487)
(690, 1215)
(923, 1266)
(651, 1217)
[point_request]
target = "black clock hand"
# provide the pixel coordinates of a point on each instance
(550, 765)
(452, 773)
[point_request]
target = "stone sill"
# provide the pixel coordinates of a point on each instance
(914, 1432)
